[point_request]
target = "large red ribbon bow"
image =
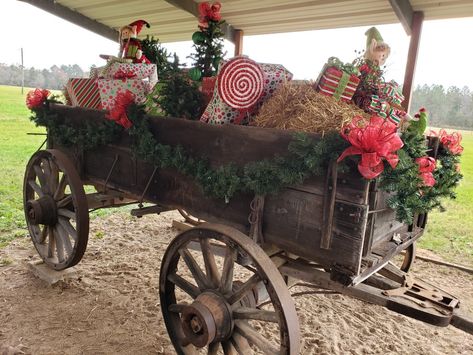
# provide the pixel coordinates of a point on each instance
(36, 98)
(374, 141)
(118, 113)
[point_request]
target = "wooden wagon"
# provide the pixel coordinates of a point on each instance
(224, 283)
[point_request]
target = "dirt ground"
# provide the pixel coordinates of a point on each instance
(111, 306)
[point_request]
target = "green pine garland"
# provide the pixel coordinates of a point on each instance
(409, 196)
(306, 157)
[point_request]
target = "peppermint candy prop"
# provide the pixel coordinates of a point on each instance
(241, 88)
(241, 83)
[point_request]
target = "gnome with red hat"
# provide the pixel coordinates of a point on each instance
(130, 45)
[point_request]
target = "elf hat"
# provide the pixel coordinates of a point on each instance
(373, 33)
(139, 25)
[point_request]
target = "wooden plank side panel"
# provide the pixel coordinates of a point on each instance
(292, 218)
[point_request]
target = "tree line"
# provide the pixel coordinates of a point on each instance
(450, 107)
(54, 78)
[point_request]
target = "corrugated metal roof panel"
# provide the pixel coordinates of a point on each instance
(261, 17)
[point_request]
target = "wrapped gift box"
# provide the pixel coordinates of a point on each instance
(383, 108)
(132, 71)
(108, 89)
(83, 92)
(242, 86)
(391, 92)
(336, 82)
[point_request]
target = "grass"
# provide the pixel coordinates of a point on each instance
(16, 148)
(448, 234)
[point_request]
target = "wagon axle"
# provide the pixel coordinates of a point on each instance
(207, 319)
(42, 211)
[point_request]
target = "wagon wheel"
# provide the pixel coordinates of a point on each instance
(55, 209)
(189, 218)
(215, 308)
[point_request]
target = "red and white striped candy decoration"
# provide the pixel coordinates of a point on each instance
(240, 83)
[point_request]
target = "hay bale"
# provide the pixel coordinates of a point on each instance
(299, 107)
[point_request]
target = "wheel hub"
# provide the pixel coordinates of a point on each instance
(42, 211)
(207, 319)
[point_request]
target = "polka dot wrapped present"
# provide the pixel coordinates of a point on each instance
(108, 89)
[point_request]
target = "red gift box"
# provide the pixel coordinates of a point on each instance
(84, 92)
(337, 83)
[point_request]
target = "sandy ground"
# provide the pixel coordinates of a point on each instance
(111, 306)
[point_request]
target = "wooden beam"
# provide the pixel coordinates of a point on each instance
(77, 18)
(192, 7)
(238, 42)
(404, 12)
(417, 21)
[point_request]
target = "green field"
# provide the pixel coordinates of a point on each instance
(448, 234)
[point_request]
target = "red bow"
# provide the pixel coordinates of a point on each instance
(118, 113)
(36, 98)
(374, 141)
(427, 166)
(123, 75)
(209, 12)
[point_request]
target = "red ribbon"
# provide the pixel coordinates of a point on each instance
(118, 113)
(374, 141)
(123, 75)
(36, 98)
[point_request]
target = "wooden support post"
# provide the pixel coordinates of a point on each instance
(238, 42)
(417, 21)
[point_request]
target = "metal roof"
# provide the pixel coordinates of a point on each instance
(173, 20)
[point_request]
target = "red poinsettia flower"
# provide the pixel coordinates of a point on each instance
(428, 179)
(375, 141)
(118, 113)
(451, 141)
(427, 166)
(208, 12)
(36, 98)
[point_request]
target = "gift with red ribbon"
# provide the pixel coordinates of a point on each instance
(338, 80)
(376, 141)
(118, 70)
(109, 88)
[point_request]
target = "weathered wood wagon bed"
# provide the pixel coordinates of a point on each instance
(335, 232)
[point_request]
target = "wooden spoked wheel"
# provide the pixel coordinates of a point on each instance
(189, 218)
(55, 209)
(236, 303)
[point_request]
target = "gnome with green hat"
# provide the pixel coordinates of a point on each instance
(377, 51)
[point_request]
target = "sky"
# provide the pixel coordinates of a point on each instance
(445, 53)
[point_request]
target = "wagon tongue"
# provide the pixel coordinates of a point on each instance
(423, 301)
